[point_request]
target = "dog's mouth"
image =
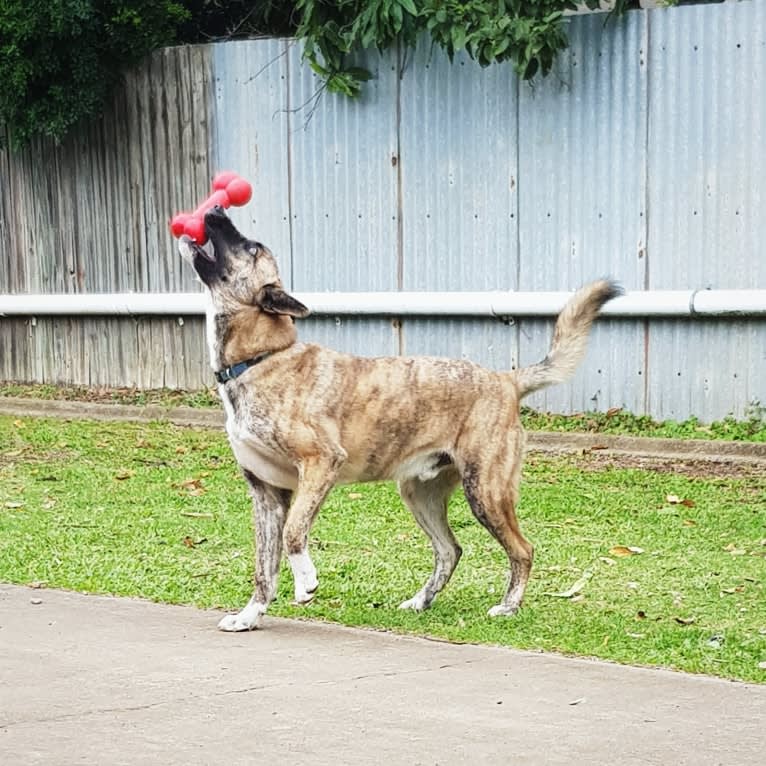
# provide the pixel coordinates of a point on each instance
(219, 229)
(203, 251)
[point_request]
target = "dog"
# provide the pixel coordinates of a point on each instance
(302, 418)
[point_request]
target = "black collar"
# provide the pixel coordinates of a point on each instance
(235, 370)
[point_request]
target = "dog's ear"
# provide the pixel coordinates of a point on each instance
(276, 301)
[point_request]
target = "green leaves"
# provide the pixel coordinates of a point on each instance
(527, 33)
(58, 61)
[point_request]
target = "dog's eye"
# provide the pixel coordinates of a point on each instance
(254, 249)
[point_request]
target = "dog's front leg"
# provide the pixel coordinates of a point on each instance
(269, 513)
(317, 476)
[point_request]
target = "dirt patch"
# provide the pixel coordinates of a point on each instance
(598, 460)
(28, 456)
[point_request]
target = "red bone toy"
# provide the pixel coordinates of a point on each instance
(228, 189)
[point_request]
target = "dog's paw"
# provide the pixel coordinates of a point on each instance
(503, 610)
(304, 575)
(306, 596)
(417, 603)
(247, 619)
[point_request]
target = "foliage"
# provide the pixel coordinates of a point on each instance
(59, 60)
(528, 33)
(162, 512)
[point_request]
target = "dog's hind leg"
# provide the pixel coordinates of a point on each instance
(316, 478)
(270, 506)
(491, 489)
(427, 500)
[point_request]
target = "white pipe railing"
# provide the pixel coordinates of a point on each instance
(649, 303)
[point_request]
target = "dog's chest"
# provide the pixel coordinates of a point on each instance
(255, 451)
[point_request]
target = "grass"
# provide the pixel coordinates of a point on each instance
(165, 397)
(751, 428)
(161, 513)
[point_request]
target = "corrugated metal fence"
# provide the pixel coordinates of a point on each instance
(642, 157)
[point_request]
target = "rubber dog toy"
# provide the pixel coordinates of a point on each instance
(228, 189)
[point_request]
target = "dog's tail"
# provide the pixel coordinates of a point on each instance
(570, 337)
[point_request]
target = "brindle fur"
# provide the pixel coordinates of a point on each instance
(307, 418)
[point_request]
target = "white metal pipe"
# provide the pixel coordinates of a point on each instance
(649, 303)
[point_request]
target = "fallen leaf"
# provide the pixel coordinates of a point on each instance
(733, 550)
(609, 562)
(180, 450)
(635, 635)
(197, 515)
(606, 640)
(729, 591)
(673, 499)
(12, 504)
(762, 665)
(689, 523)
(124, 474)
(577, 701)
(625, 550)
(574, 589)
(194, 486)
(18, 423)
(685, 620)
(612, 411)
(142, 443)
(188, 542)
(687, 503)
(355, 495)
(36, 584)
(598, 446)
(632, 585)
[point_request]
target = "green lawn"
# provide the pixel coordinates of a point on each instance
(160, 512)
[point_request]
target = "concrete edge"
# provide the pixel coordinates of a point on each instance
(324, 626)
(718, 451)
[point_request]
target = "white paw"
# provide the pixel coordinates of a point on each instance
(304, 576)
(503, 610)
(417, 603)
(247, 619)
(302, 597)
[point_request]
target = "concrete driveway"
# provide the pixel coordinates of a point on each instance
(94, 680)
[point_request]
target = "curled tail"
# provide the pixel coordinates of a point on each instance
(570, 337)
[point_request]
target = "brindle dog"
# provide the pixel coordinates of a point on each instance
(302, 418)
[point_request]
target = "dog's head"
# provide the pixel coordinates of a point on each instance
(238, 272)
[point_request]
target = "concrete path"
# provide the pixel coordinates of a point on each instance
(93, 680)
